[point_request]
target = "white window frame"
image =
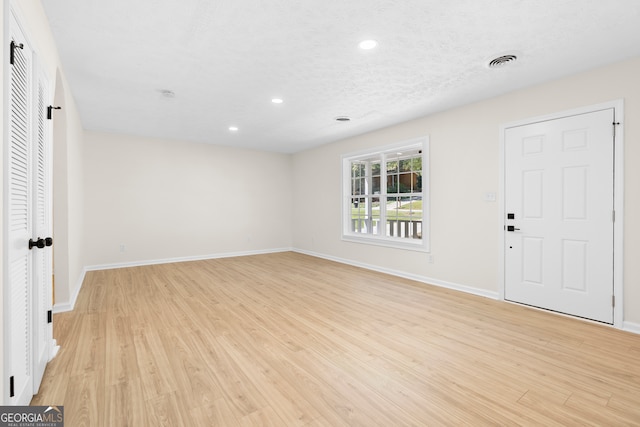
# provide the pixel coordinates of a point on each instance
(423, 244)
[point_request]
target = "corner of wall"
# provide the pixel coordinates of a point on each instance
(71, 303)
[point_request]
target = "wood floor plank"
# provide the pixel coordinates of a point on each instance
(216, 413)
(156, 373)
(167, 410)
(289, 339)
(281, 398)
(265, 417)
(125, 404)
(88, 393)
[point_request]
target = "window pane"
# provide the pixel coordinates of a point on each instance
(406, 183)
(375, 215)
(392, 166)
(392, 216)
(392, 205)
(404, 217)
(416, 164)
(405, 165)
(417, 188)
(358, 215)
(392, 184)
(356, 205)
(414, 208)
(375, 168)
(375, 185)
(358, 186)
(357, 169)
(415, 218)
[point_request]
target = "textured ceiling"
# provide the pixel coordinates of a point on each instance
(226, 59)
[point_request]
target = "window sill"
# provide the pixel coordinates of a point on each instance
(411, 245)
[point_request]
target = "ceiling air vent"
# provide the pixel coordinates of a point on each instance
(502, 61)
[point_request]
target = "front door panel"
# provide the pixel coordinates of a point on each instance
(559, 190)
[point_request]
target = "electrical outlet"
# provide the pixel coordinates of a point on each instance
(122, 247)
(489, 196)
(430, 259)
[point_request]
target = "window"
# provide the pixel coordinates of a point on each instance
(385, 196)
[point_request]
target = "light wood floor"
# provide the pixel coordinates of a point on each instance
(290, 340)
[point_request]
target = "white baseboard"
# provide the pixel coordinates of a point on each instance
(183, 259)
(55, 348)
(68, 306)
(631, 327)
(403, 274)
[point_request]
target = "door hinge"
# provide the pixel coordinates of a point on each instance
(49, 316)
(614, 128)
(613, 216)
(12, 51)
(12, 391)
(613, 300)
(49, 109)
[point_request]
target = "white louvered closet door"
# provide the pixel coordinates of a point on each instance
(18, 306)
(42, 257)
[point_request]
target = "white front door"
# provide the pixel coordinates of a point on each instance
(559, 214)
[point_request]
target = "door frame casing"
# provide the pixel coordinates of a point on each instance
(618, 200)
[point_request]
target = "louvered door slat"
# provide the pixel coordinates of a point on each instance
(19, 150)
(40, 158)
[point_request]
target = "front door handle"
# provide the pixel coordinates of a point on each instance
(512, 228)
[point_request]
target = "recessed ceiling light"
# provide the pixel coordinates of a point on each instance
(233, 128)
(367, 44)
(343, 119)
(277, 100)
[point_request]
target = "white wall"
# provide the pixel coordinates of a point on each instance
(169, 199)
(68, 207)
(465, 147)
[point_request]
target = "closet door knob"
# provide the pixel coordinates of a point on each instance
(40, 243)
(48, 241)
